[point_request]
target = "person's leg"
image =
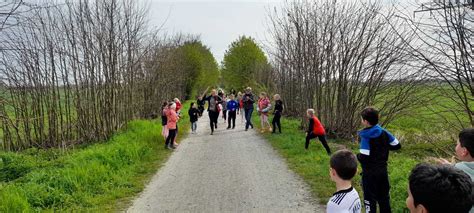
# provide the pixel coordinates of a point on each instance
(229, 120)
(170, 138)
(247, 123)
(262, 121)
(308, 138)
(195, 126)
(250, 117)
(322, 138)
(383, 192)
(211, 120)
(274, 120)
(268, 123)
(368, 187)
(278, 122)
(234, 115)
(173, 137)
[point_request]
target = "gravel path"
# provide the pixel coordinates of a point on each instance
(230, 171)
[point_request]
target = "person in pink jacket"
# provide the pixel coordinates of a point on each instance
(172, 118)
(263, 108)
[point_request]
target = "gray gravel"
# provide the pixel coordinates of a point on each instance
(230, 171)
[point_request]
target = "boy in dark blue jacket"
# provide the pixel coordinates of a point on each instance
(232, 107)
(375, 144)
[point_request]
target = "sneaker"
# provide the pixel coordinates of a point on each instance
(171, 147)
(212, 133)
(228, 127)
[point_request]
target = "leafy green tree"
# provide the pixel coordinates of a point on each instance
(199, 65)
(245, 64)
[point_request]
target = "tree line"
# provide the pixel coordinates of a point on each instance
(77, 72)
(341, 56)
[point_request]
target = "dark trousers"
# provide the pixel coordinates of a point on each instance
(171, 137)
(322, 138)
(201, 110)
(231, 118)
(376, 189)
(224, 114)
(248, 118)
(276, 121)
(213, 116)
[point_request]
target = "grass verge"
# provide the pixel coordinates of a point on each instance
(313, 165)
(100, 177)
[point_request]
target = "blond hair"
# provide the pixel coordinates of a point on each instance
(310, 111)
(276, 97)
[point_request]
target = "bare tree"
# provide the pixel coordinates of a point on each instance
(339, 57)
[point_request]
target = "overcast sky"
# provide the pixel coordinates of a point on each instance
(218, 22)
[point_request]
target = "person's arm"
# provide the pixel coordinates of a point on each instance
(310, 126)
(393, 141)
(205, 92)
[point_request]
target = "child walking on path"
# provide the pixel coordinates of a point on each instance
(343, 168)
(277, 113)
(193, 113)
(248, 101)
(213, 108)
(375, 144)
(164, 120)
(172, 119)
(232, 107)
(263, 108)
(315, 129)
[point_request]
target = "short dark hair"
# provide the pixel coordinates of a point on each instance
(192, 104)
(466, 138)
(345, 164)
(441, 188)
(371, 115)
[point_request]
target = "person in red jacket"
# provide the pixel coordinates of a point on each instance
(316, 129)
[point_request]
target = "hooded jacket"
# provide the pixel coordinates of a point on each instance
(375, 144)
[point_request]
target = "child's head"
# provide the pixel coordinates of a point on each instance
(465, 145)
(231, 96)
(310, 113)
(276, 97)
(343, 165)
(164, 105)
(370, 116)
(172, 105)
(248, 90)
(176, 100)
(193, 105)
(439, 188)
(213, 92)
(263, 95)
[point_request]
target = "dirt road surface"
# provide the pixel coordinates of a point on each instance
(230, 171)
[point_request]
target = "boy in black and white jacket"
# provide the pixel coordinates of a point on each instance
(343, 168)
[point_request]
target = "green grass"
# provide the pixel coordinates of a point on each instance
(100, 177)
(313, 165)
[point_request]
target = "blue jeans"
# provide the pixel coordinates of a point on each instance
(248, 118)
(194, 126)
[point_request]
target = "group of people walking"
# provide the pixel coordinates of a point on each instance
(432, 188)
(240, 103)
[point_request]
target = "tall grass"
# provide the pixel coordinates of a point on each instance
(98, 177)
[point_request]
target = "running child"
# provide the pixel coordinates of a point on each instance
(193, 113)
(232, 107)
(315, 130)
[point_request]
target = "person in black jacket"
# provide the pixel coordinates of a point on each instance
(375, 144)
(213, 108)
(193, 117)
(200, 102)
(248, 101)
(277, 113)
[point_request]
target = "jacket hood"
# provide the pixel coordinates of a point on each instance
(371, 132)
